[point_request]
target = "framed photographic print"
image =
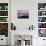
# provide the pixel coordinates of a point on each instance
(23, 14)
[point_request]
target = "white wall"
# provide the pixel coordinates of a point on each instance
(23, 24)
(32, 6)
(23, 4)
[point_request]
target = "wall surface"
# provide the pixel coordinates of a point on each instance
(32, 6)
(23, 24)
